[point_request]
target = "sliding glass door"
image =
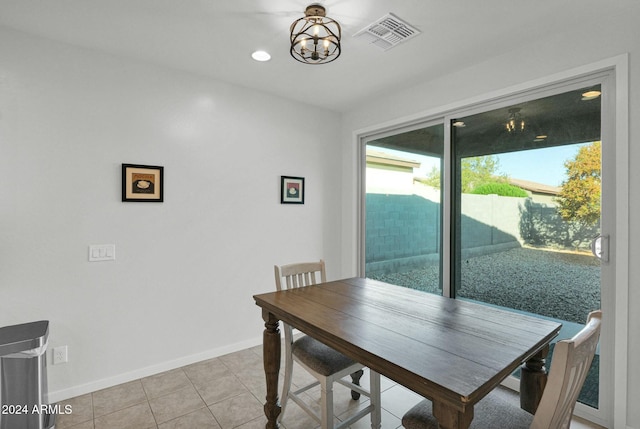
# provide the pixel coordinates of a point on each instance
(527, 208)
(499, 204)
(403, 225)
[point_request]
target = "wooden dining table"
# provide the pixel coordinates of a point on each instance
(450, 351)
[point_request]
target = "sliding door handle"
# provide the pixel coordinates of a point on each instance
(600, 247)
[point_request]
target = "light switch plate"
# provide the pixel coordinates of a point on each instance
(102, 252)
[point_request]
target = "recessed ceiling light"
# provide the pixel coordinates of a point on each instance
(541, 137)
(261, 56)
(590, 95)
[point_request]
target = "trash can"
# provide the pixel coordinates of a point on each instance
(23, 377)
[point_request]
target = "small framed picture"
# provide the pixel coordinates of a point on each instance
(142, 183)
(292, 190)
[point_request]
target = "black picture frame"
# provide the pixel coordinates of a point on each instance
(291, 190)
(142, 183)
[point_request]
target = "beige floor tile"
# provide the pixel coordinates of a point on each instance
(295, 417)
(342, 405)
(164, 383)
(221, 388)
(258, 423)
(388, 420)
(342, 401)
(117, 398)
(200, 419)
(176, 404)
(229, 386)
(254, 381)
(385, 383)
(240, 361)
(301, 377)
(237, 410)
(205, 370)
(135, 417)
(85, 425)
(258, 349)
(398, 400)
(81, 412)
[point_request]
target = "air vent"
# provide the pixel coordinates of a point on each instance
(387, 32)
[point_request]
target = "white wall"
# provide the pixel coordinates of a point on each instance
(613, 32)
(181, 287)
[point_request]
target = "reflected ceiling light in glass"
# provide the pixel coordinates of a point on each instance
(315, 38)
(590, 95)
(515, 121)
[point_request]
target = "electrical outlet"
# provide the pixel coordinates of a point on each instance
(60, 355)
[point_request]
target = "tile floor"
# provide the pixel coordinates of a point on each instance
(222, 393)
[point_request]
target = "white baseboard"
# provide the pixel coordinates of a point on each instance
(72, 392)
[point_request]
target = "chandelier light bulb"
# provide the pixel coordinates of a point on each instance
(513, 119)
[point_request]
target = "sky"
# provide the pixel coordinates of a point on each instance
(544, 166)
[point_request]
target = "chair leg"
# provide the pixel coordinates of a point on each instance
(326, 403)
(355, 378)
(376, 414)
(286, 388)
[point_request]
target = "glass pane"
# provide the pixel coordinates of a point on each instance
(403, 210)
(527, 206)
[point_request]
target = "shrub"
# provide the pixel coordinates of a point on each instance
(502, 189)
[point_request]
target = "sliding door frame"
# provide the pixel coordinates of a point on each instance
(612, 74)
(608, 226)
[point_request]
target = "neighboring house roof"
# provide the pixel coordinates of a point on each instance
(538, 188)
(376, 157)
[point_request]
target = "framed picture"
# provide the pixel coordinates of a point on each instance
(142, 183)
(292, 190)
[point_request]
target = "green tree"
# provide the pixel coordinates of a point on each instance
(478, 170)
(579, 199)
(433, 178)
(500, 188)
(475, 171)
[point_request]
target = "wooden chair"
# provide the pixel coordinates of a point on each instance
(570, 363)
(325, 364)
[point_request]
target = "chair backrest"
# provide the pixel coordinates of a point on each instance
(298, 275)
(570, 363)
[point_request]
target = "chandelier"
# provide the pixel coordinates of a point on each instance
(515, 121)
(315, 38)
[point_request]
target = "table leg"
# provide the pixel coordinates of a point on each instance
(533, 379)
(451, 418)
(271, 356)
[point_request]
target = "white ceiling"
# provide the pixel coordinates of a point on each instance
(216, 38)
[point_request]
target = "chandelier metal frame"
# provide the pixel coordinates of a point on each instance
(315, 38)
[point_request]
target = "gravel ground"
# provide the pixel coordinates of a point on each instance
(565, 286)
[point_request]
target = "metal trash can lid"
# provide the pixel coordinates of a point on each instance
(26, 336)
